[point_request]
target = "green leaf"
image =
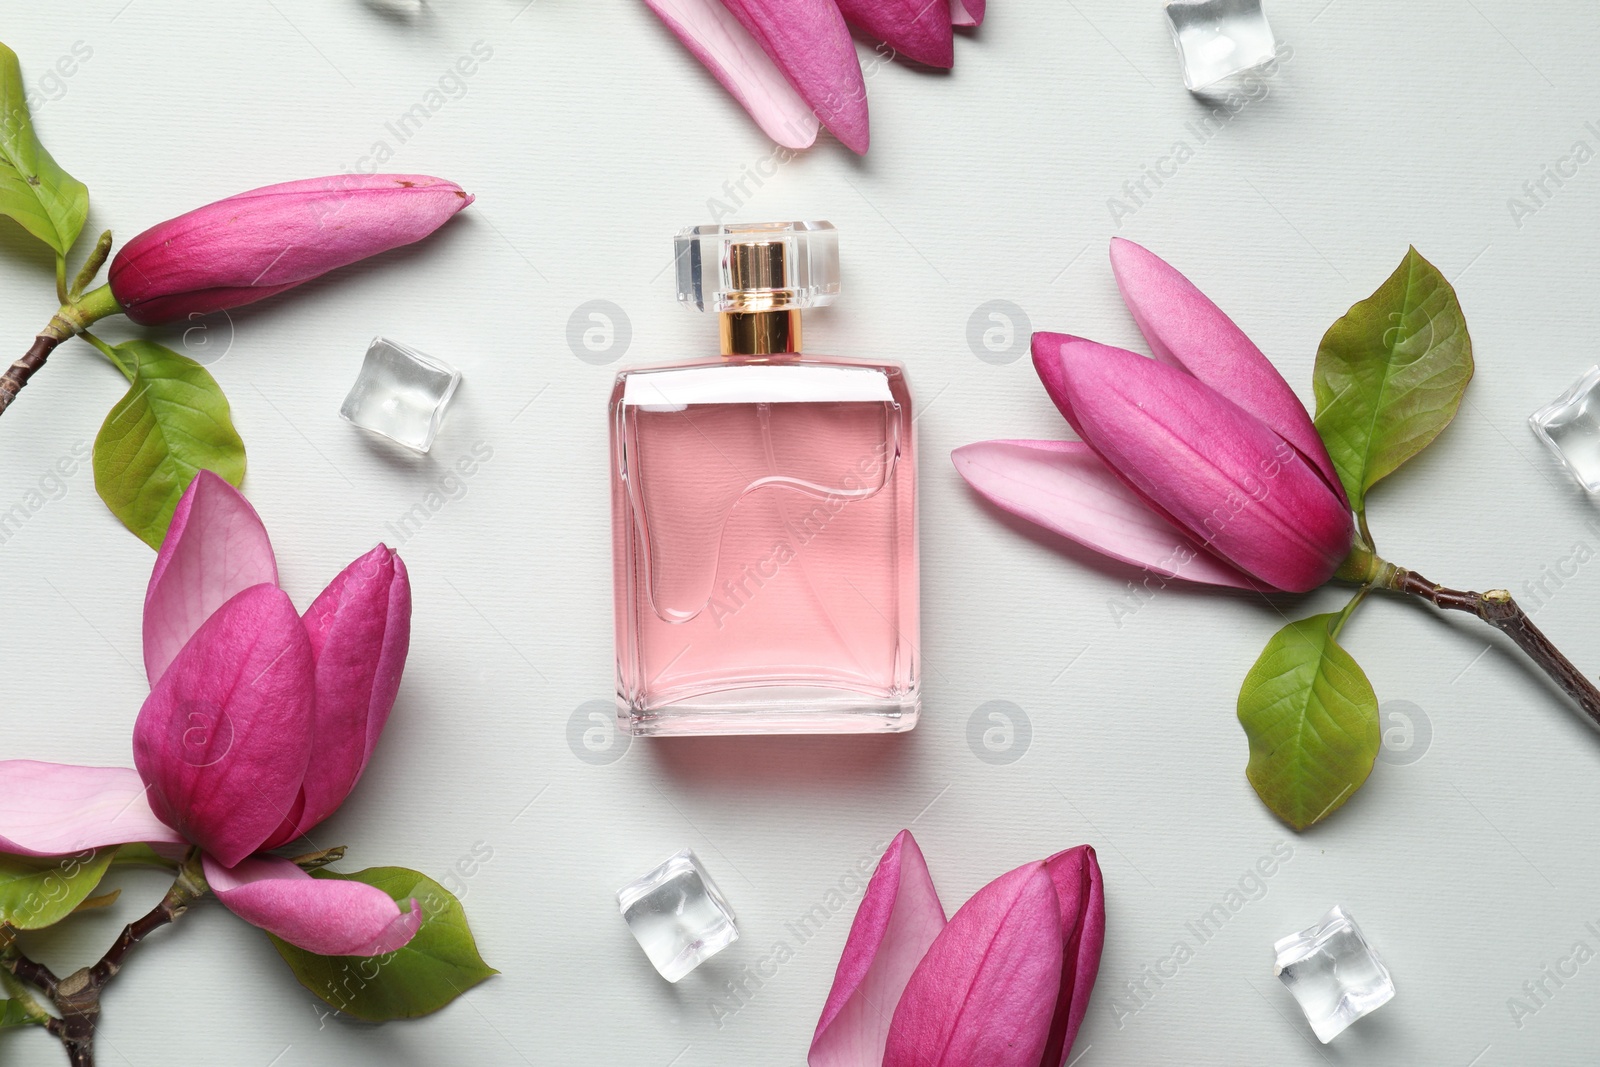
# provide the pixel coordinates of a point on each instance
(439, 964)
(41, 891)
(1312, 721)
(49, 203)
(14, 1014)
(137, 855)
(103, 900)
(1390, 375)
(173, 421)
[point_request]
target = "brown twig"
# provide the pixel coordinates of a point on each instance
(35, 974)
(77, 996)
(73, 317)
(1498, 609)
(17, 375)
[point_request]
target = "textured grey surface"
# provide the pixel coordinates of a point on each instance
(589, 136)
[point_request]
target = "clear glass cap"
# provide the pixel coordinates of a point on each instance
(761, 266)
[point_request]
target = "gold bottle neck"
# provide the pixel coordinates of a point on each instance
(760, 333)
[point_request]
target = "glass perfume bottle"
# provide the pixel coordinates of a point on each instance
(764, 511)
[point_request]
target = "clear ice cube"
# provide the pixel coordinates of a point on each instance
(1335, 975)
(401, 393)
(678, 915)
(1570, 426)
(1218, 39)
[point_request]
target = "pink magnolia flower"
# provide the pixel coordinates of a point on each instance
(792, 63)
(258, 724)
(1005, 983)
(1200, 463)
(250, 246)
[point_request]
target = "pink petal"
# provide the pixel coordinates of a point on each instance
(360, 630)
(1076, 874)
(967, 12)
(215, 546)
(1218, 471)
(1063, 486)
(327, 916)
(718, 40)
(811, 44)
(899, 917)
(224, 738)
(1186, 329)
(985, 992)
(57, 809)
(916, 29)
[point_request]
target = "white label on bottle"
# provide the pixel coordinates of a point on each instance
(805, 383)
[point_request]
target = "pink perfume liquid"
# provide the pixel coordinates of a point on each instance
(766, 552)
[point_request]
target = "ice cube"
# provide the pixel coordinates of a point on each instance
(1218, 39)
(1570, 426)
(1335, 975)
(401, 393)
(678, 915)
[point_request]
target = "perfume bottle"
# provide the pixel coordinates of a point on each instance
(764, 511)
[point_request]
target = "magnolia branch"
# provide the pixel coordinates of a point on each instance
(1498, 609)
(81, 311)
(76, 998)
(17, 375)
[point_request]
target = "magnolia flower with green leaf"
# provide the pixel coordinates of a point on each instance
(174, 419)
(1202, 464)
(259, 724)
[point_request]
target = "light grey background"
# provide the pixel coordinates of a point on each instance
(588, 138)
